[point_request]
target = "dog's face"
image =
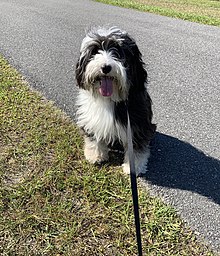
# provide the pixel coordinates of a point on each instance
(108, 63)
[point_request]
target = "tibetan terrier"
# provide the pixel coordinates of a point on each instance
(111, 78)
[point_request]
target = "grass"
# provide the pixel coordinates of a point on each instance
(201, 11)
(53, 202)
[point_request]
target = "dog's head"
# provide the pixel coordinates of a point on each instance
(110, 63)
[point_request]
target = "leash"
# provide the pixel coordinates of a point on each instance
(133, 178)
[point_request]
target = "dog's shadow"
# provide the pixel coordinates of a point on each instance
(177, 164)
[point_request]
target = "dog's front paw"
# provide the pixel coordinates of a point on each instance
(126, 168)
(140, 170)
(94, 156)
(95, 152)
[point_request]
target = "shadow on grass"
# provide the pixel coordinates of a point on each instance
(177, 164)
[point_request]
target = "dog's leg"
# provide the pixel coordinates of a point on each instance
(95, 152)
(141, 160)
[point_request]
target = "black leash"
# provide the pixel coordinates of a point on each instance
(134, 187)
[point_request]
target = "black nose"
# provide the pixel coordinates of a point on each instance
(106, 69)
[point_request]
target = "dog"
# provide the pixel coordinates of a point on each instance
(111, 77)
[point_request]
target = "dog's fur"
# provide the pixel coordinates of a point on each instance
(112, 79)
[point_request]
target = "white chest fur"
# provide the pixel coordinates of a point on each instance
(96, 116)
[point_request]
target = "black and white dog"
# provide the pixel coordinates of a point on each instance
(111, 78)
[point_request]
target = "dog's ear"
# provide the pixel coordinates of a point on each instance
(79, 71)
(81, 64)
(135, 65)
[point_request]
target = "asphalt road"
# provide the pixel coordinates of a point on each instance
(42, 38)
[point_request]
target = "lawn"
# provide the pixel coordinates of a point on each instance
(53, 202)
(201, 11)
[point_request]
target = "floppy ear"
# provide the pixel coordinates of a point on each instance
(79, 71)
(135, 71)
(81, 64)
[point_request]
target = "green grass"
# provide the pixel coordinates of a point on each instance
(201, 11)
(52, 202)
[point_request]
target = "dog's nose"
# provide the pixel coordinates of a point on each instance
(106, 69)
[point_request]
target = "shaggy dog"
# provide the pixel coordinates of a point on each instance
(111, 78)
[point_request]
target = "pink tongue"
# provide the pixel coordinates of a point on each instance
(106, 88)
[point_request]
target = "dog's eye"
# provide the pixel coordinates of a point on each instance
(95, 50)
(116, 53)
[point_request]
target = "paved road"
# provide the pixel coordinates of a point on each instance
(42, 38)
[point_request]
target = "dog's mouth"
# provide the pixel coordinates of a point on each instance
(106, 85)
